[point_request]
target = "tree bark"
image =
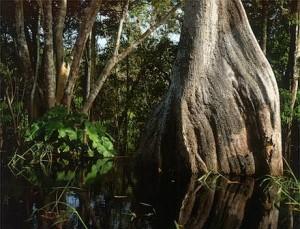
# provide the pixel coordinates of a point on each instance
(37, 65)
(292, 74)
(88, 19)
(49, 68)
(264, 31)
(221, 112)
(22, 46)
(88, 67)
(58, 33)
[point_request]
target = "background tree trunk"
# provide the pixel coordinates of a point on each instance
(264, 21)
(221, 112)
(58, 30)
(49, 68)
(88, 19)
(292, 73)
(22, 47)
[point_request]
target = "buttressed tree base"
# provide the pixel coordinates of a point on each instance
(221, 112)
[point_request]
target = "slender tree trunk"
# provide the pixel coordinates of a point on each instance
(125, 120)
(58, 30)
(88, 19)
(88, 67)
(264, 31)
(221, 112)
(93, 62)
(293, 71)
(93, 55)
(22, 47)
(37, 64)
(49, 68)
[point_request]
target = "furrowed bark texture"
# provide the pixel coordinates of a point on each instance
(221, 112)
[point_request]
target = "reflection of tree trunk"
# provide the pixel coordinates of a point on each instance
(89, 213)
(219, 206)
(226, 205)
(221, 112)
(197, 195)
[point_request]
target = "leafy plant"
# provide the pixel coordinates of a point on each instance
(59, 143)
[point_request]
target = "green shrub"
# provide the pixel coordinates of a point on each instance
(62, 146)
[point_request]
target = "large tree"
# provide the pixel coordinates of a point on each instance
(221, 112)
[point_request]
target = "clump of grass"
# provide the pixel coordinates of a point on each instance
(288, 187)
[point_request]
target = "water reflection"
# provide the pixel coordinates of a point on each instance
(216, 203)
(169, 203)
(229, 204)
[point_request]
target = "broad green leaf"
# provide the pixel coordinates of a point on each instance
(52, 126)
(71, 133)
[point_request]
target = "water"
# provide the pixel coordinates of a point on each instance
(119, 201)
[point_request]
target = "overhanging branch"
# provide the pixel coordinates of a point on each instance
(115, 59)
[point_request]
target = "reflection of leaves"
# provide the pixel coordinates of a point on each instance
(65, 175)
(101, 167)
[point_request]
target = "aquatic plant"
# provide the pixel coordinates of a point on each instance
(288, 187)
(59, 143)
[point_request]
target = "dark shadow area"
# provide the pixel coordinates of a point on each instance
(116, 201)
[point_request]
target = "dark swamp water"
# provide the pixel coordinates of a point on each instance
(118, 201)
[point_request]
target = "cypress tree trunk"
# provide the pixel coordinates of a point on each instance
(221, 112)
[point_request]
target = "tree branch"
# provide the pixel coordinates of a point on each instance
(88, 19)
(120, 29)
(111, 63)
